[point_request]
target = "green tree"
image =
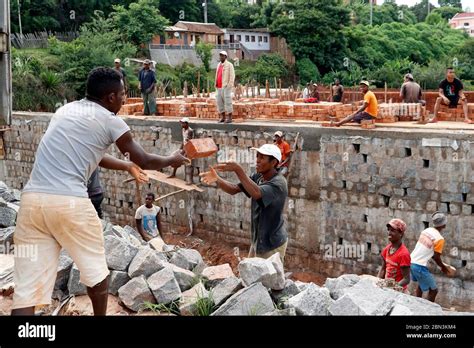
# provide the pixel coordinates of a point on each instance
(420, 10)
(313, 29)
(307, 71)
(204, 51)
(181, 10)
(447, 12)
(140, 22)
(452, 3)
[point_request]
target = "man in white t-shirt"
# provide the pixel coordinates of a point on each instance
(147, 218)
(429, 245)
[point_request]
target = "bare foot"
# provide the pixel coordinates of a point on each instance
(469, 121)
(433, 120)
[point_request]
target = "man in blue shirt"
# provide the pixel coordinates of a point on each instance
(147, 82)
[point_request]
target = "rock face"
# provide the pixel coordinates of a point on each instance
(312, 301)
(252, 300)
(135, 293)
(117, 280)
(255, 270)
(74, 286)
(6, 237)
(216, 274)
(118, 253)
(157, 243)
(225, 289)
(289, 290)
(336, 286)
(190, 297)
(364, 298)
(7, 217)
(146, 262)
(185, 278)
(186, 258)
(410, 305)
(164, 286)
(282, 312)
(133, 232)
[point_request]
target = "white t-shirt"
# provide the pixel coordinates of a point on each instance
(148, 217)
(430, 241)
(77, 138)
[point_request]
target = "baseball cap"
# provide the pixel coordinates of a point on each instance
(278, 134)
(184, 120)
(146, 61)
(223, 53)
(398, 224)
(269, 150)
(117, 60)
(363, 82)
(439, 219)
(409, 76)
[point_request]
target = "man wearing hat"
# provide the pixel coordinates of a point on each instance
(146, 84)
(225, 77)
(410, 91)
(429, 245)
(188, 134)
(122, 72)
(368, 110)
(395, 256)
(285, 152)
(268, 191)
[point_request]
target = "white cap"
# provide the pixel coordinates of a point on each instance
(184, 120)
(223, 52)
(117, 60)
(269, 150)
(278, 134)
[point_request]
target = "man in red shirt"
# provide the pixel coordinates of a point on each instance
(225, 77)
(396, 257)
(285, 152)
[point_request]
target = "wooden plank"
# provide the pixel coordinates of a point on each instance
(162, 177)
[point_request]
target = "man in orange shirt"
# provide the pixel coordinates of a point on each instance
(368, 111)
(285, 152)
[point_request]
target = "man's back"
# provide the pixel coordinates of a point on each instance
(76, 140)
(411, 92)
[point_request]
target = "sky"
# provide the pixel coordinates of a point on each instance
(465, 3)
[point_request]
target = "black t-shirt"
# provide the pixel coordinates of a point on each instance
(268, 226)
(451, 90)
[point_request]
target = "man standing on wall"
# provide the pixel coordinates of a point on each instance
(188, 134)
(120, 70)
(225, 77)
(146, 84)
(429, 245)
(55, 210)
(450, 93)
(368, 110)
(268, 191)
(337, 91)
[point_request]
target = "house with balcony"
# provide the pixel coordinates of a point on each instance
(463, 21)
(253, 42)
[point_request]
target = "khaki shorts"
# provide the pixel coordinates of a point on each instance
(281, 249)
(224, 100)
(45, 224)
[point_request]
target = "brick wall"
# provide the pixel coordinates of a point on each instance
(345, 186)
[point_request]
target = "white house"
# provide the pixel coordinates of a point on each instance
(252, 39)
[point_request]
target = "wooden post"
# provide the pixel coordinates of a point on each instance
(199, 84)
(279, 83)
(385, 92)
(267, 89)
(258, 89)
(185, 89)
(251, 89)
(208, 88)
(276, 87)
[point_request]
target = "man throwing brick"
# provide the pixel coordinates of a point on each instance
(450, 93)
(429, 245)
(188, 134)
(368, 110)
(225, 77)
(285, 152)
(55, 210)
(268, 190)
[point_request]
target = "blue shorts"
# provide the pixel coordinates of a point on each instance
(422, 275)
(361, 116)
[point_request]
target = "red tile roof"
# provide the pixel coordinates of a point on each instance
(196, 27)
(463, 15)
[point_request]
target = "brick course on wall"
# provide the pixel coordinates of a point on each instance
(346, 184)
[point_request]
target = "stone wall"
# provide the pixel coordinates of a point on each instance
(344, 187)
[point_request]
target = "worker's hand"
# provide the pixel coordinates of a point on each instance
(209, 177)
(177, 159)
(138, 174)
(227, 167)
(446, 100)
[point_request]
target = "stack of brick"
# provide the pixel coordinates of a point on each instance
(455, 114)
(174, 107)
(394, 112)
(206, 110)
(132, 108)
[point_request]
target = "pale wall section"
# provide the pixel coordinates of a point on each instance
(345, 186)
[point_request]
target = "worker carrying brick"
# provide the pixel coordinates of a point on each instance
(55, 210)
(395, 256)
(268, 190)
(429, 246)
(188, 134)
(368, 110)
(225, 77)
(450, 93)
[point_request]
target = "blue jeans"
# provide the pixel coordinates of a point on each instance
(423, 276)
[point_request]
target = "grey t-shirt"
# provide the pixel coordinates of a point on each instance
(94, 187)
(268, 225)
(72, 147)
